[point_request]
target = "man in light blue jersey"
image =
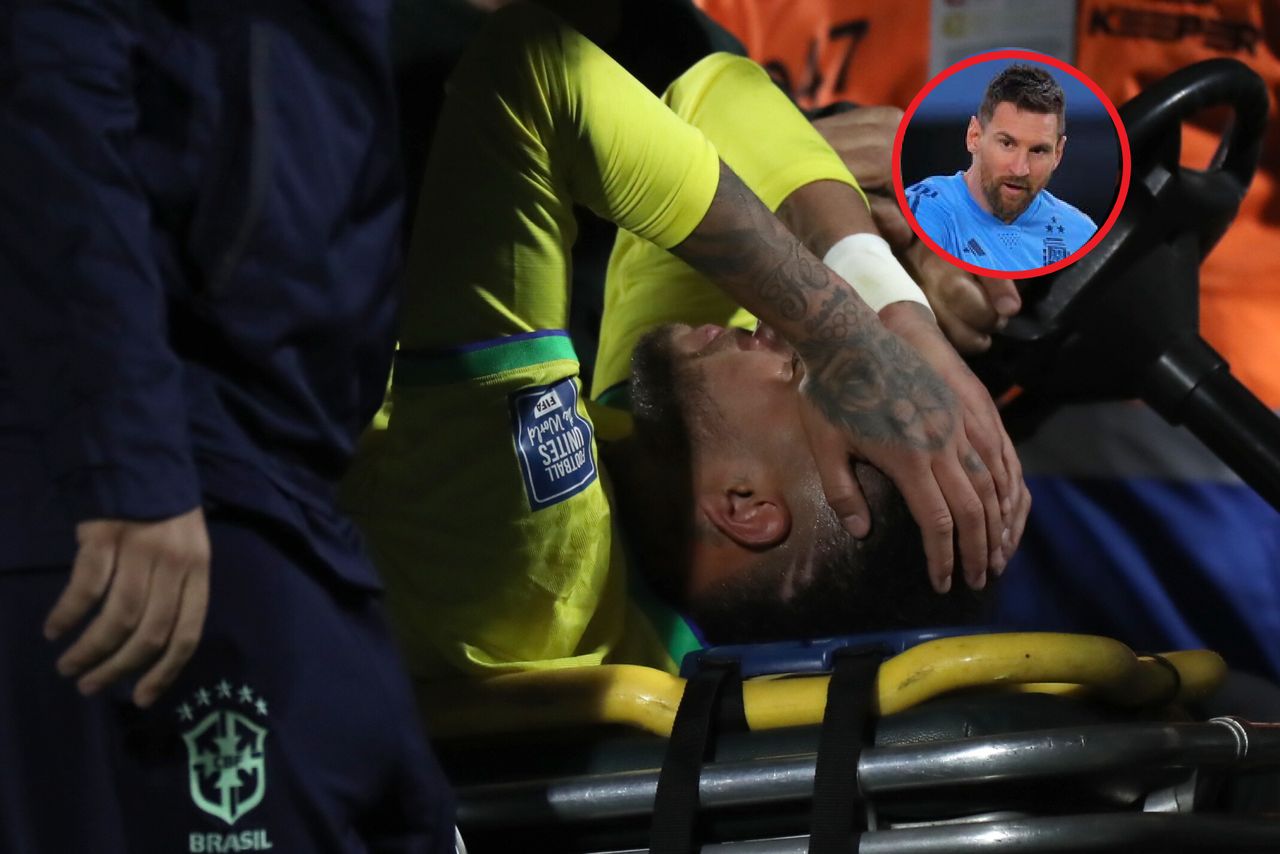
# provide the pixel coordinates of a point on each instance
(998, 214)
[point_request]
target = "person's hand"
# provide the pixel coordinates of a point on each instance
(152, 580)
(969, 308)
(982, 426)
(890, 222)
(863, 137)
(881, 402)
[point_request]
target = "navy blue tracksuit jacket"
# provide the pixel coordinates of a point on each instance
(199, 218)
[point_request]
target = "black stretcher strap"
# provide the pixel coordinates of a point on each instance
(837, 820)
(712, 702)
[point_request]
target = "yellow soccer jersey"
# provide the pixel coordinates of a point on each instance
(770, 145)
(483, 500)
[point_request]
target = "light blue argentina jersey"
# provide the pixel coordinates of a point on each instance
(1046, 232)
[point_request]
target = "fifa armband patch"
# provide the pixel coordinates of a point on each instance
(553, 443)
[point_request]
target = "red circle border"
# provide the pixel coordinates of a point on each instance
(1043, 59)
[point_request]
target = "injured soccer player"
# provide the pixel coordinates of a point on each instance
(483, 493)
(722, 507)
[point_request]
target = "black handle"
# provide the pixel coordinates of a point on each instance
(1191, 384)
(1156, 113)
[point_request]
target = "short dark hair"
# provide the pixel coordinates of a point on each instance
(655, 506)
(878, 583)
(1027, 88)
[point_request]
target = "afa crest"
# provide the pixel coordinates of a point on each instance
(1055, 249)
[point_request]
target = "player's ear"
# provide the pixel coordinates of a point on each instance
(752, 518)
(973, 136)
(1058, 149)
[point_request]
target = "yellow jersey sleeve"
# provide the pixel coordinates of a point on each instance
(769, 144)
(537, 119)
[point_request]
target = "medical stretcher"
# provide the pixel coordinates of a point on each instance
(1012, 742)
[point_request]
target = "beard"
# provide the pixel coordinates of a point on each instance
(655, 398)
(668, 397)
(1004, 209)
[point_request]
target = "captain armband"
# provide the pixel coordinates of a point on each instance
(866, 262)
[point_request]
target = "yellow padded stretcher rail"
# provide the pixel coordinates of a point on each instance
(647, 699)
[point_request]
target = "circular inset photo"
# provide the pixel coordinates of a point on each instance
(1012, 164)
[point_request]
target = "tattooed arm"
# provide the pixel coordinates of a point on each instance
(820, 214)
(868, 394)
(993, 452)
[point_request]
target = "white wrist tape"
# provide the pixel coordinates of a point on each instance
(866, 262)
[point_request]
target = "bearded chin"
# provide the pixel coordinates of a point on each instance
(1004, 212)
